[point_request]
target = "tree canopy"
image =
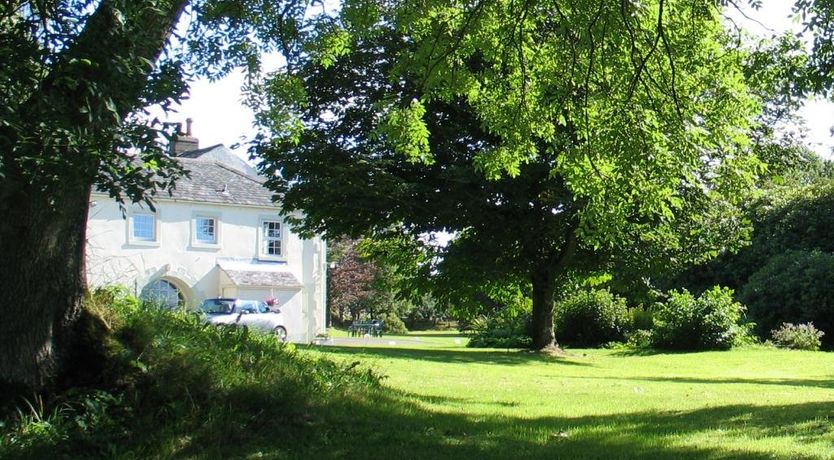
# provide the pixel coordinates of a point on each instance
(548, 137)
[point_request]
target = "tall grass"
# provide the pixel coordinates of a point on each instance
(178, 387)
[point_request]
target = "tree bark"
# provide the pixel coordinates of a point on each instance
(544, 278)
(43, 327)
(43, 279)
(544, 286)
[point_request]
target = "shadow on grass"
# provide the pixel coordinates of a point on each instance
(813, 383)
(806, 383)
(652, 352)
(262, 421)
(428, 335)
(503, 357)
(389, 425)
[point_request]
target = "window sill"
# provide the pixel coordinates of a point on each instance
(204, 246)
(272, 258)
(143, 244)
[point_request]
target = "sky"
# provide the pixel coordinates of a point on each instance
(219, 117)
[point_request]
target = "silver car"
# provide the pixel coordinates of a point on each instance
(252, 313)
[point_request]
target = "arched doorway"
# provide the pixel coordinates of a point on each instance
(163, 293)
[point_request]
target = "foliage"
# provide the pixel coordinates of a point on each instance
(351, 289)
(794, 287)
(363, 284)
(76, 111)
(426, 313)
(797, 336)
(590, 318)
(710, 321)
(639, 339)
(394, 325)
(818, 18)
(618, 131)
(640, 318)
(784, 219)
(501, 331)
(506, 326)
(178, 376)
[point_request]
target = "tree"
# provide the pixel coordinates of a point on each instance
(76, 77)
(351, 288)
(547, 137)
(784, 219)
(67, 101)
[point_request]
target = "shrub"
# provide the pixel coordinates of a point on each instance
(797, 337)
(394, 325)
(707, 322)
(794, 287)
(640, 338)
(503, 330)
(640, 318)
(591, 318)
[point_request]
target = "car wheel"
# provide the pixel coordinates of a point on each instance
(281, 333)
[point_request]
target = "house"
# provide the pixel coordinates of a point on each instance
(218, 235)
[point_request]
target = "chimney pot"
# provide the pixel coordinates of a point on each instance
(184, 142)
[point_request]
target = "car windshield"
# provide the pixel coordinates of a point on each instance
(252, 306)
(218, 306)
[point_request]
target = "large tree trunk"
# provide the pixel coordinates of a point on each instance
(544, 277)
(544, 286)
(43, 281)
(44, 332)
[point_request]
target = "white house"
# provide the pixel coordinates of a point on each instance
(218, 235)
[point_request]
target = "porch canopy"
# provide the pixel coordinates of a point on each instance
(257, 275)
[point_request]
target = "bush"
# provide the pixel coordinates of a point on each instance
(710, 321)
(591, 318)
(640, 339)
(794, 287)
(640, 318)
(394, 325)
(797, 337)
(503, 330)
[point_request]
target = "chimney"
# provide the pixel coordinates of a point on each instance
(184, 142)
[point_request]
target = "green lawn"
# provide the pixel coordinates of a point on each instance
(205, 393)
(465, 403)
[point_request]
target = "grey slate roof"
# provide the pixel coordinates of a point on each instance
(262, 278)
(213, 182)
(222, 155)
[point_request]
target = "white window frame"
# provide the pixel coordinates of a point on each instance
(131, 235)
(195, 242)
(262, 240)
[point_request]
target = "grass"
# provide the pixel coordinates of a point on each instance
(750, 404)
(185, 390)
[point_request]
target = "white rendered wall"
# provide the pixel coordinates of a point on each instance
(113, 259)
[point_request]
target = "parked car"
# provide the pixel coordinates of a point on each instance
(252, 313)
